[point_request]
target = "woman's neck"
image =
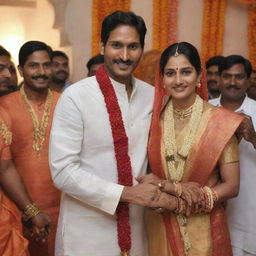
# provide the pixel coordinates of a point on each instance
(183, 104)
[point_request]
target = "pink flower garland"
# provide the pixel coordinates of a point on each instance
(123, 161)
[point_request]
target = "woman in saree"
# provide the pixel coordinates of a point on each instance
(193, 155)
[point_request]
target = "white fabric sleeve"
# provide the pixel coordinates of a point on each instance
(64, 159)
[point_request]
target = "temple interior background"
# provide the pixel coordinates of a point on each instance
(67, 25)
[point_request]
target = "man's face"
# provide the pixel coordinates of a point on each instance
(37, 71)
(213, 78)
(93, 69)
(14, 77)
(60, 69)
(252, 88)
(5, 75)
(234, 83)
(122, 52)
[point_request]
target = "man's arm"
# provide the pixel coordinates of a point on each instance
(13, 185)
(246, 130)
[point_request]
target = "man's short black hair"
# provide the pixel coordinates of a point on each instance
(123, 18)
(214, 61)
(231, 60)
(32, 46)
(97, 59)
(59, 54)
(4, 52)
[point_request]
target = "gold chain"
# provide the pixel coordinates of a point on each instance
(171, 153)
(182, 114)
(39, 128)
(7, 135)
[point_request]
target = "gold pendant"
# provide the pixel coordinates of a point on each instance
(124, 253)
(170, 158)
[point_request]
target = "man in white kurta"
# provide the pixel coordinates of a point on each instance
(82, 155)
(84, 166)
(241, 210)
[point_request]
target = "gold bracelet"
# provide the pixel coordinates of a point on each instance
(30, 211)
(215, 197)
(177, 189)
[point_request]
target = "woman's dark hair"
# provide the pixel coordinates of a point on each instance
(122, 18)
(184, 48)
(32, 46)
(231, 60)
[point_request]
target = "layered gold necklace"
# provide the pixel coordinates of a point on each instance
(182, 114)
(172, 156)
(39, 127)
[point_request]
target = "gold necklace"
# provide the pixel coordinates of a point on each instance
(182, 114)
(39, 128)
(171, 154)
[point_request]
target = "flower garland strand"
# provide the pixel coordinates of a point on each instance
(252, 34)
(123, 161)
(165, 16)
(100, 9)
(213, 28)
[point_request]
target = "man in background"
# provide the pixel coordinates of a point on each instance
(235, 72)
(60, 71)
(30, 112)
(7, 79)
(94, 63)
(251, 91)
(213, 77)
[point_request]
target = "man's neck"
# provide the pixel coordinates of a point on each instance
(214, 94)
(231, 105)
(57, 87)
(35, 96)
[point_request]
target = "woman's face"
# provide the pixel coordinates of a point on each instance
(180, 78)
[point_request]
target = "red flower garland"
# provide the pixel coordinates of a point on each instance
(123, 161)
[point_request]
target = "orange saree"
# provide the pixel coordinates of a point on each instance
(209, 231)
(33, 167)
(11, 240)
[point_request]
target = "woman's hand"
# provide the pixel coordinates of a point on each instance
(192, 194)
(149, 178)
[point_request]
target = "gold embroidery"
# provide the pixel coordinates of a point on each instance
(39, 128)
(7, 135)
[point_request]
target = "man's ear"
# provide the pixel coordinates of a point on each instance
(102, 48)
(20, 70)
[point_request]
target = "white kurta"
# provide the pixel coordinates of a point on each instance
(83, 167)
(241, 210)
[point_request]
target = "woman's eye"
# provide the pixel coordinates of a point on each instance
(169, 73)
(186, 72)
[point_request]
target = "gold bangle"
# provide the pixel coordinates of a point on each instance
(177, 189)
(30, 211)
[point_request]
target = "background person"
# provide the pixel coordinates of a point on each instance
(235, 72)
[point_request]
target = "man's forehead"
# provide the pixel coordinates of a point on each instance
(213, 68)
(59, 59)
(38, 56)
(4, 60)
(235, 69)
